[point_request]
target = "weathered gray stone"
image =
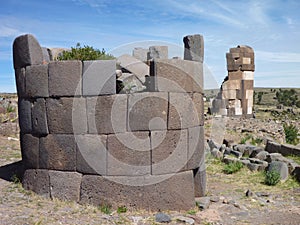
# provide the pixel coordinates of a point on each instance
(135, 66)
(200, 180)
(46, 56)
(54, 53)
(281, 168)
(37, 181)
(288, 149)
(194, 48)
(37, 81)
(203, 202)
(147, 111)
(245, 162)
(39, 117)
(129, 83)
(169, 151)
(128, 154)
(185, 220)
(65, 78)
(99, 77)
(195, 147)
(255, 151)
(65, 185)
(227, 159)
(216, 153)
(162, 218)
(262, 155)
(158, 52)
(107, 114)
(156, 197)
(140, 54)
(175, 75)
(253, 166)
(67, 115)
(20, 82)
(24, 109)
(58, 152)
(184, 111)
(91, 154)
(30, 151)
(276, 157)
(213, 145)
(98, 190)
(26, 51)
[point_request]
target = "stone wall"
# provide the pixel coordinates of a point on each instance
(82, 142)
(236, 94)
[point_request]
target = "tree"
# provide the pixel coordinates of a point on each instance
(287, 97)
(84, 53)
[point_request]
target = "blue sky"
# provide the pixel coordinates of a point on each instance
(271, 27)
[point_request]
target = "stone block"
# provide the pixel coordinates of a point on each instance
(128, 154)
(54, 53)
(26, 51)
(46, 56)
(248, 75)
(39, 117)
(229, 94)
(99, 77)
(236, 75)
(195, 147)
(249, 94)
(185, 110)
(176, 75)
(273, 147)
(37, 181)
(129, 83)
(91, 154)
(67, 115)
(37, 81)
(58, 152)
(99, 190)
(280, 167)
(107, 114)
(194, 48)
(231, 85)
(24, 111)
(174, 192)
(20, 82)
(155, 193)
(247, 84)
(140, 54)
(287, 149)
(200, 181)
(65, 185)
(238, 111)
(246, 60)
(135, 66)
(30, 151)
(158, 52)
(65, 78)
(169, 151)
(147, 111)
(241, 49)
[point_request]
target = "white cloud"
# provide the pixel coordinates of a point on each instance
(284, 57)
(6, 31)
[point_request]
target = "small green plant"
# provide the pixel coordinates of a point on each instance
(245, 139)
(272, 177)
(84, 53)
(10, 109)
(291, 134)
(232, 167)
(15, 179)
(106, 208)
(256, 141)
(122, 209)
(192, 212)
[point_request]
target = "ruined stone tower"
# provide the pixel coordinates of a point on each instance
(236, 93)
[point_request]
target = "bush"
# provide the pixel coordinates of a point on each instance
(84, 53)
(287, 97)
(291, 134)
(272, 177)
(122, 209)
(233, 167)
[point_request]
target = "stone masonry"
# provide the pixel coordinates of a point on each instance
(83, 141)
(236, 94)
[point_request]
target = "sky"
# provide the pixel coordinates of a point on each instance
(270, 27)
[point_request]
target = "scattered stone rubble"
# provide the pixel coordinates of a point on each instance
(84, 141)
(259, 158)
(236, 94)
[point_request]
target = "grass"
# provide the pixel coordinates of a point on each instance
(232, 167)
(272, 177)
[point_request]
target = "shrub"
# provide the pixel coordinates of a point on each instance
(272, 177)
(122, 209)
(84, 53)
(287, 97)
(233, 167)
(291, 134)
(106, 208)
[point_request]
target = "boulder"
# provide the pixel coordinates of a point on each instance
(255, 151)
(162, 218)
(280, 167)
(262, 155)
(203, 202)
(217, 154)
